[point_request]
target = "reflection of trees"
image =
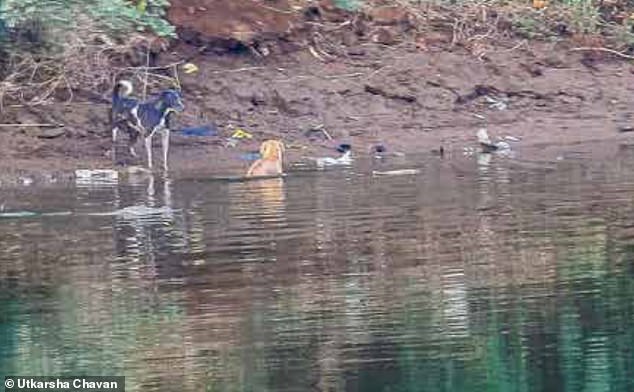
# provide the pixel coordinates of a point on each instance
(492, 277)
(80, 306)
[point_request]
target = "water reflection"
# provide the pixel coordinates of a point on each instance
(499, 275)
(265, 195)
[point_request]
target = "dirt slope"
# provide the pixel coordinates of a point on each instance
(221, 21)
(363, 84)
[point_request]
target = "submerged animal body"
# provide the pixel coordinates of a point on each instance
(143, 118)
(487, 145)
(272, 152)
(344, 159)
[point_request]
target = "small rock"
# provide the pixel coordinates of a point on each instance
(356, 52)
(79, 133)
(384, 37)
(44, 133)
(533, 69)
(257, 99)
(51, 133)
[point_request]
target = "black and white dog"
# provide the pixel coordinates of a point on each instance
(143, 118)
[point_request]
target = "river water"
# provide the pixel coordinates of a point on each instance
(481, 273)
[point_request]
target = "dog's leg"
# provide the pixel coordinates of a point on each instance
(115, 131)
(148, 149)
(165, 142)
(133, 140)
(134, 136)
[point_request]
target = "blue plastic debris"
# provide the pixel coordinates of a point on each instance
(251, 156)
(202, 130)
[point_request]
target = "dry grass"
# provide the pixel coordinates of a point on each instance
(479, 26)
(87, 60)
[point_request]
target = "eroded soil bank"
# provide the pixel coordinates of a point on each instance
(408, 95)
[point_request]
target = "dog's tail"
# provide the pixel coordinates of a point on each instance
(122, 88)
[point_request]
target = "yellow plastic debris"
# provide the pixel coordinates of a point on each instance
(141, 6)
(241, 134)
(190, 68)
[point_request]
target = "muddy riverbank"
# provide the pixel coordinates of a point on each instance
(408, 95)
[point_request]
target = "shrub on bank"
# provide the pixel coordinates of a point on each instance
(52, 45)
(607, 21)
(45, 23)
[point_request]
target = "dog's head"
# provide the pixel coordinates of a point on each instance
(343, 148)
(483, 136)
(272, 149)
(379, 149)
(173, 99)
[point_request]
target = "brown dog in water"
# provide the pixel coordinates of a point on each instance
(271, 162)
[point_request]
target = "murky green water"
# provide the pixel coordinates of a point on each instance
(506, 276)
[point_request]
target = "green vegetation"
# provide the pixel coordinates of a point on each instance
(47, 22)
(349, 5)
(48, 46)
(609, 22)
(53, 47)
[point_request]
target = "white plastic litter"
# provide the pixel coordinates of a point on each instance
(97, 173)
(403, 172)
(344, 159)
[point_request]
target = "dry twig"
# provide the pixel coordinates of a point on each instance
(600, 49)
